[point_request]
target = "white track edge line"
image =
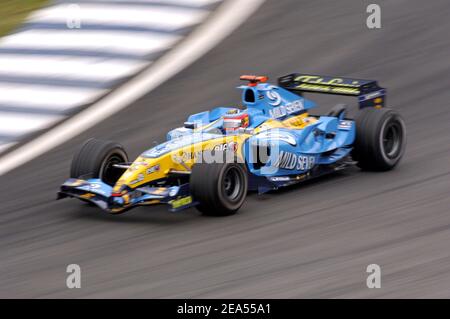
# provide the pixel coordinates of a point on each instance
(226, 19)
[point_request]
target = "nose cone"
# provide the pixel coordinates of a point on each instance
(132, 176)
(142, 171)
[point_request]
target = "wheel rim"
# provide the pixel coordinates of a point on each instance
(392, 139)
(232, 184)
(108, 173)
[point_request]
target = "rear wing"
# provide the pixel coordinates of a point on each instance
(369, 93)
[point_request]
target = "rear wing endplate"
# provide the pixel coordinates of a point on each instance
(369, 93)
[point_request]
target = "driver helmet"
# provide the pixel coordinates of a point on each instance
(233, 122)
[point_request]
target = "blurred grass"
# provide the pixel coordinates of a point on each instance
(13, 12)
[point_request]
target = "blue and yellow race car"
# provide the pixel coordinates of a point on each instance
(219, 155)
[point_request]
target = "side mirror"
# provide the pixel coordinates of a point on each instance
(190, 125)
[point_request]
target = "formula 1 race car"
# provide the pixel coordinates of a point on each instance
(270, 142)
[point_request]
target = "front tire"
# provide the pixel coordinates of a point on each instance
(96, 159)
(220, 188)
(380, 139)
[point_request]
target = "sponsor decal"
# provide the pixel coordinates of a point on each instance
(160, 191)
(300, 177)
(230, 146)
(87, 195)
(181, 131)
(139, 178)
(177, 203)
(141, 163)
(345, 125)
(153, 169)
(288, 178)
(287, 109)
(280, 179)
(173, 191)
(371, 96)
(315, 79)
(277, 135)
(136, 165)
(328, 89)
(294, 121)
(178, 143)
(93, 187)
(291, 161)
(273, 96)
(187, 156)
(75, 182)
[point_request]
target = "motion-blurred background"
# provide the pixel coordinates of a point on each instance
(314, 240)
(58, 57)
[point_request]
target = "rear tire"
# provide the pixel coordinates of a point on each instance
(380, 139)
(220, 188)
(95, 159)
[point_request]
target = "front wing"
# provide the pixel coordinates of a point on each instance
(97, 192)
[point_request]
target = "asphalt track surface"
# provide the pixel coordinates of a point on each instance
(313, 240)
